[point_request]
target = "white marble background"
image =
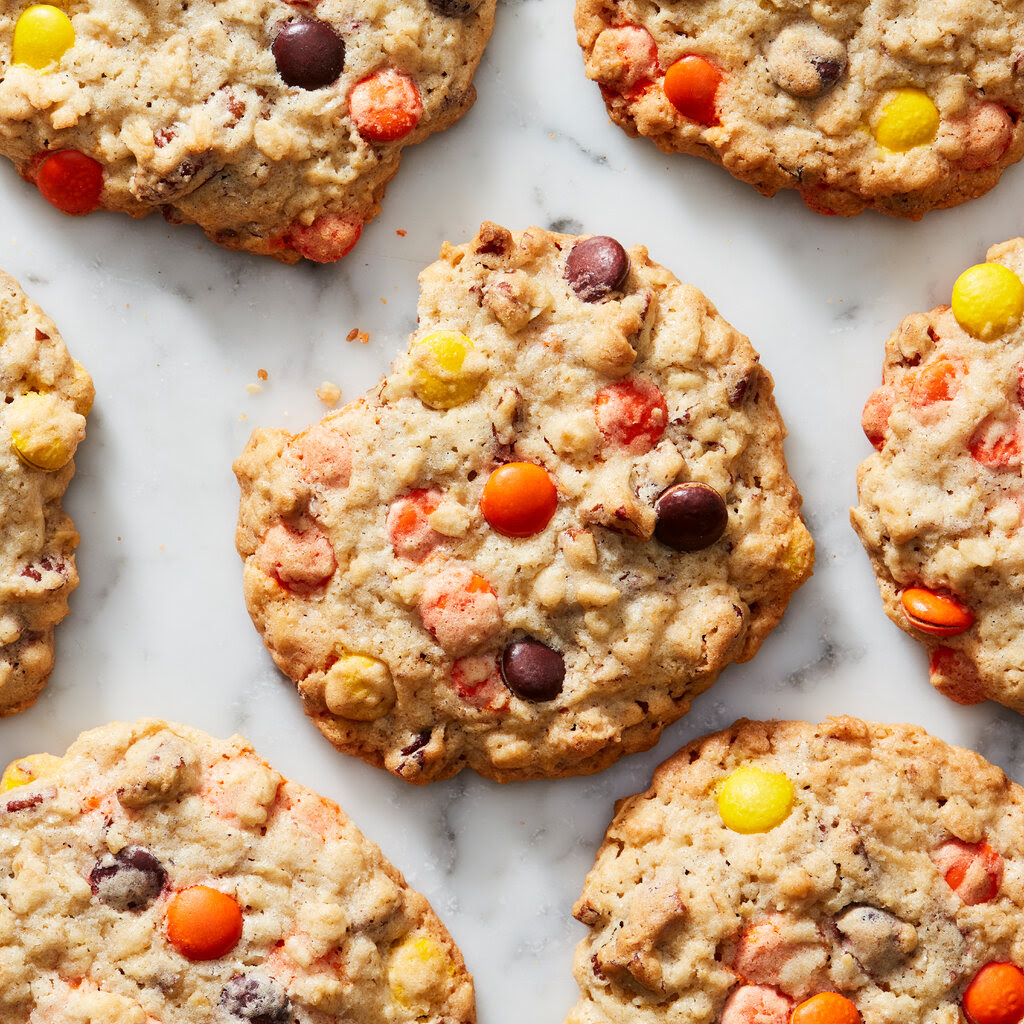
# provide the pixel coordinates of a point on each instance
(173, 329)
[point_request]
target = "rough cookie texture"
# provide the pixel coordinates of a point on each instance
(46, 397)
(941, 502)
(97, 849)
(274, 126)
(379, 568)
(895, 106)
(896, 873)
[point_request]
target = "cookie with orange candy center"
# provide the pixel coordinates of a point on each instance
(275, 127)
(849, 103)
(559, 517)
(789, 873)
(153, 851)
(46, 396)
(941, 502)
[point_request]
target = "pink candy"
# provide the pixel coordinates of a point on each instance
(756, 1004)
(322, 455)
(973, 871)
(408, 524)
(301, 562)
(460, 609)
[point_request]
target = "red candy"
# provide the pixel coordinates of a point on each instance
(327, 239)
(408, 524)
(632, 414)
(386, 106)
(477, 681)
(71, 181)
(973, 871)
(691, 86)
(996, 444)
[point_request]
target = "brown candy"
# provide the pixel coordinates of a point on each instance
(804, 61)
(691, 516)
(454, 8)
(129, 879)
(532, 670)
(596, 267)
(309, 53)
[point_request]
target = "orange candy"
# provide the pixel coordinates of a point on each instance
(996, 995)
(203, 923)
(938, 614)
(385, 106)
(936, 382)
(826, 1008)
(71, 181)
(519, 499)
(691, 86)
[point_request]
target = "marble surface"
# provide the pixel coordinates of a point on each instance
(173, 330)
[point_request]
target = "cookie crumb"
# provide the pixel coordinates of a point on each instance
(328, 393)
(253, 389)
(401, 232)
(262, 374)
(357, 335)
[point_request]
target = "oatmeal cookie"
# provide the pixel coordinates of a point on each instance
(554, 523)
(155, 873)
(895, 106)
(787, 873)
(941, 501)
(274, 126)
(46, 397)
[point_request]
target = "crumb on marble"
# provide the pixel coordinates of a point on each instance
(401, 232)
(253, 389)
(262, 374)
(329, 393)
(357, 335)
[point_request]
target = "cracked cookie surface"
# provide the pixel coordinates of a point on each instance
(549, 528)
(774, 866)
(941, 501)
(898, 107)
(154, 873)
(274, 126)
(46, 397)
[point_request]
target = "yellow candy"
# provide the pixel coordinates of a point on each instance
(42, 36)
(45, 431)
(359, 688)
(28, 769)
(988, 299)
(441, 378)
(415, 971)
(907, 120)
(753, 800)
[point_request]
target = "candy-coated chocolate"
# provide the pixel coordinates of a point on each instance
(454, 8)
(440, 377)
(309, 53)
(386, 106)
(596, 267)
(71, 181)
(995, 995)
(691, 516)
(42, 35)
(754, 800)
(129, 879)
(908, 118)
(203, 923)
(254, 998)
(935, 613)
(632, 414)
(359, 688)
(27, 769)
(532, 670)
(988, 300)
(691, 85)
(519, 499)
(826, 1008)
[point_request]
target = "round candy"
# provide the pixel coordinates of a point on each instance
(938, 614)
(28, 769)
(988, 299)
(690, 516)
(753, 800)
(309, 53)
(386, 106)
(519, 499)
(995, 995)
(439, 378)
(596, 267)
(256, 999)
(454, 8)
(632, 414)
(44, 431)
(826, 1008)
(359, 688)
(805, 61)
(203, 923)
(71, 181)
(691, 86)
(532, 670)
(42, 35)
(908, 119)
(129, 879)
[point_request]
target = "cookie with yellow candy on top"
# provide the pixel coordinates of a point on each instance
(46, 397)
(898, 107)
(941, 502)
(157, 874)
(789, 873)
(554, 523)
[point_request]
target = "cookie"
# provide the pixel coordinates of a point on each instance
(899, 107)
(941, 501)
(46, 397)
(155, 873)
(788, 873)
(528, 549)
(274, 126)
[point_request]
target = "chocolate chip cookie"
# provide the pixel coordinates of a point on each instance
(941, 501)
(549, 528)
(155, 873)
(787, 873)
(274, 126)
(898, 107)
(46, 397)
